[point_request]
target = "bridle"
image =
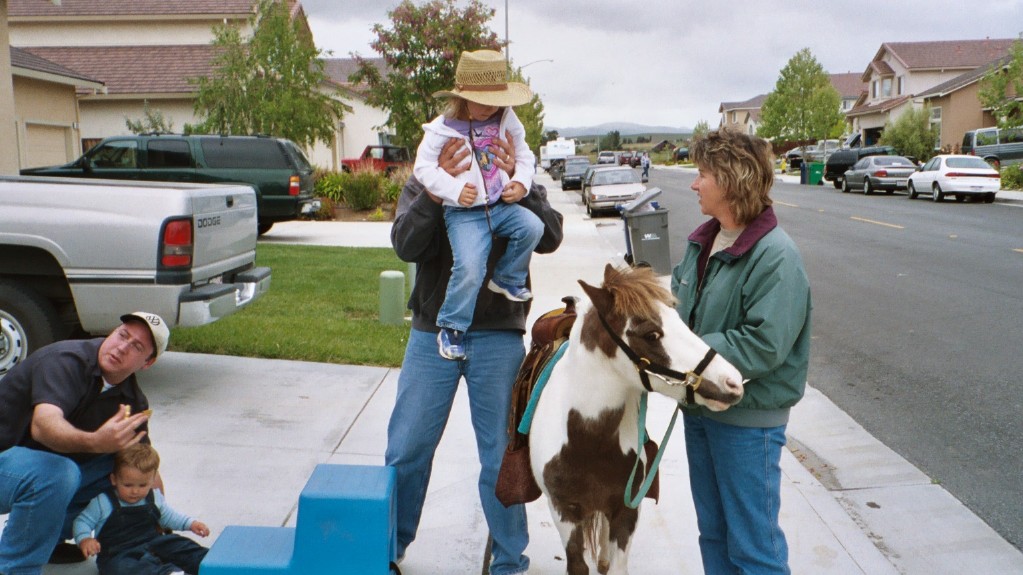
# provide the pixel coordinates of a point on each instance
(690, 379)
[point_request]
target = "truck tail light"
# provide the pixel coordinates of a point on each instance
(294, 186)
(176, 243)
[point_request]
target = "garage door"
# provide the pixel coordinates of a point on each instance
(46, 145)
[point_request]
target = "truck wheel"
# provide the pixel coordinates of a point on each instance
(263, 228)
(27, 322)
(837, 183)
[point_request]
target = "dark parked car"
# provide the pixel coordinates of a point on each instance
(572, 177)
(681, 154)
(997, 147)
(276, 168)
(794, 158)
(888, 173)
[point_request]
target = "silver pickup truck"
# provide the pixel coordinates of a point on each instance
(75, 255)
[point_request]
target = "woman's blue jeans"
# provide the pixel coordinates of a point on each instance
(469, 233)
(735, 477)
(35, 489)
(426, 391)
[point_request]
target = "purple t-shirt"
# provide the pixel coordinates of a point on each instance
(483, 134)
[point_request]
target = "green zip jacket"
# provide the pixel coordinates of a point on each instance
(751, 303)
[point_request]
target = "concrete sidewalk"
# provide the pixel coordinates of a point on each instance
(239, 437)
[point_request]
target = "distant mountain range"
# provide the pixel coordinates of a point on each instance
(624, 128)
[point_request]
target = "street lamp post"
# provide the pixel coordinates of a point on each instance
(536, 62)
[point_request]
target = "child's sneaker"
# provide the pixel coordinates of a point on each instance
(449, 342)
(514, 293)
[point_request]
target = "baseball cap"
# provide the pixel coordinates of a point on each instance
(156, 326)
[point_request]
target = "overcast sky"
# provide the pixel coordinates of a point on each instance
(672, 62)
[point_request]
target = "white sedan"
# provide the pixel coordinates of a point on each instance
(954, 175)
(609, 188)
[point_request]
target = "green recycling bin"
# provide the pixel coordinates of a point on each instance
(816, 173)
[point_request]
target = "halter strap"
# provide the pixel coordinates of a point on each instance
(691, 379)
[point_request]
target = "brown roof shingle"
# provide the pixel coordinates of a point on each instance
(136, 69)
(68, 8)
(23, 59)
(964, 54)
(849, 84)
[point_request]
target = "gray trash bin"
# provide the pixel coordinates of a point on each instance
(646, 233)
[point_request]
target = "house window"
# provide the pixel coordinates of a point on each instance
(902, 84)
(886, 87)
(873, 89)
(936, 126)
(733, 117)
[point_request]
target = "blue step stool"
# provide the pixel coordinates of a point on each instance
(345, 526)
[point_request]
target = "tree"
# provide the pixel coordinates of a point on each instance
(271, 85)
(612, 141)
(550, 135)
(1001, 90)
(700, 129)
(912, 134)
(531, 115)
(151, 122)
(420, 51)
(804, 105)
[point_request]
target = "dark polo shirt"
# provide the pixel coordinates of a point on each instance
(65, 374)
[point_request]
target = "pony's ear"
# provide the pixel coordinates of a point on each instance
(609, 271)
(601, 298)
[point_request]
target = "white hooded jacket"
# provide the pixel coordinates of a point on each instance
(441, 184)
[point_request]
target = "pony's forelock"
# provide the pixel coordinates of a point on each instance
(636, 292)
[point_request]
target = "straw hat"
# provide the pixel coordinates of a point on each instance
(482, 77)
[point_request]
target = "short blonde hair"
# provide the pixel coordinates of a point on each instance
(456, 108)
(742, 165)
(140, 456)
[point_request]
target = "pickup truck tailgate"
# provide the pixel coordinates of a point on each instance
(223, 226)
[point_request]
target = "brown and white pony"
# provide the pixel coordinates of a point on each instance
(583, 436)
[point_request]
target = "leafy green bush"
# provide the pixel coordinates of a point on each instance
(328, 185)
(1012, 177)
(363, 189)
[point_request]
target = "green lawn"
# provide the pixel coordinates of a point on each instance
(322, 306)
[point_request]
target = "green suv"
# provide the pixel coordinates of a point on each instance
(276, 168)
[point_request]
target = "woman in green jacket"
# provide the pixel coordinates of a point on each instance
(742, 287)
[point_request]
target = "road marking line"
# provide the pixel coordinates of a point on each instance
(1020, 250)
(876, 222)
(786, 204)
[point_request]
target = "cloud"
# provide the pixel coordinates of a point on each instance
(672, 62)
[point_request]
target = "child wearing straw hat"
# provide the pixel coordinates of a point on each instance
(481, 202)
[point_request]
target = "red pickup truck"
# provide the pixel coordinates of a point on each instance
(382, 158)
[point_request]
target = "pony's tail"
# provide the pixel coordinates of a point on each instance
(597, 533)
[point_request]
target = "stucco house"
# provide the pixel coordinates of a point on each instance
(955, 104)
(146, 51)
(742, 116)
(46, 118)
(745, 116)
(901, 69)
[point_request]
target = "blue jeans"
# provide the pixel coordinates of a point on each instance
(469, 233)
(735, 476)
(35, 489)
(426, 390)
